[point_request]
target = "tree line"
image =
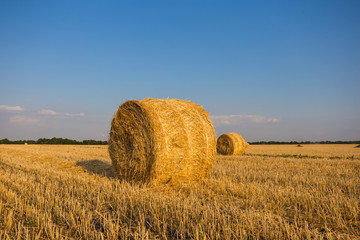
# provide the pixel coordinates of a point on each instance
(66, 141)
(303, 142)
(62, 141)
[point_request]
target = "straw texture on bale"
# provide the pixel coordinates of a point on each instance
(160, 141)
(231, 144)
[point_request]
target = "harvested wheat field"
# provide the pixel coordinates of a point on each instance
(271, 192)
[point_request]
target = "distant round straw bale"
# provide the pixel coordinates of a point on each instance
(159, 141)
(231, 144)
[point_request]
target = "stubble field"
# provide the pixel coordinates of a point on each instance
(272, 192)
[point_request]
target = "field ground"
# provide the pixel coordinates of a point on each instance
(273, 192)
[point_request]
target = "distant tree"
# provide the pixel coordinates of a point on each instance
(4, 141)
(94, 142)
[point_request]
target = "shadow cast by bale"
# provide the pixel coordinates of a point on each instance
(98, 167)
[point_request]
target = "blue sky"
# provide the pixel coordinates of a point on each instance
(269, 70)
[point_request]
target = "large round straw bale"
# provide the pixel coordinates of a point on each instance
(160, 141)
(231, 144)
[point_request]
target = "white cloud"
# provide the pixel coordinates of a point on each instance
(23, 120)
(8, 108)
(75, 114)
(47, 112)
(240, 119)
